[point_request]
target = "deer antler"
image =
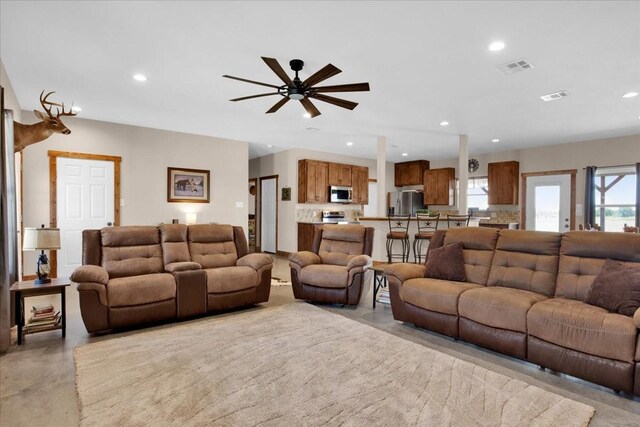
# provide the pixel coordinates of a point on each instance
(66, 113)
(44, 103)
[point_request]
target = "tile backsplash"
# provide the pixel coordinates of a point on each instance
(305, 213)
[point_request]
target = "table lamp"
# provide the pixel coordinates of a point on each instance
(39, 239)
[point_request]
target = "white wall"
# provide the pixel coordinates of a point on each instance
(577, 155)
(146, 154)
(285, 165)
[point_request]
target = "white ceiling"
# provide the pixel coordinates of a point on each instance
(425, 61)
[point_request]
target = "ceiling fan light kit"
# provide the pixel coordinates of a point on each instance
(304, 90)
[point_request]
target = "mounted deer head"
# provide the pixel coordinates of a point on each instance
(25, 135)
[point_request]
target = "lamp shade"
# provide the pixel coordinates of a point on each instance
(41, 238)
(192, 218)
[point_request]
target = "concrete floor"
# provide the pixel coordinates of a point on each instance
(37, 382)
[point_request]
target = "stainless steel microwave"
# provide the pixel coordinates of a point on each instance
(340, 194)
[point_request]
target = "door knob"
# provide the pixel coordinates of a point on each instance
(109, 224)
(566, 226)
(566, 220)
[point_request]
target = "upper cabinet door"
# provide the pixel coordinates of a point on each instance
(340, 174)
(410, 173)
(439, 186)
(360, 184)
(504, 180)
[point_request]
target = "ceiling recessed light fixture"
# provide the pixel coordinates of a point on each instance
(269, 145)
(349, 143)
(495, 140)
(444, 123)
(630, 95)
(405, 154)
(496, 46)
(140, 77)
(306, 115)
(76, 109)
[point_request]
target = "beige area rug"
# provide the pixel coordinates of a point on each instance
(298, 365)
(275, 281)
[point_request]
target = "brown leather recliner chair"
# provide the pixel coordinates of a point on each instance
(334, 271)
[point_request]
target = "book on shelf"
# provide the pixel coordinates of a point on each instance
(42, 309)
(44, 321)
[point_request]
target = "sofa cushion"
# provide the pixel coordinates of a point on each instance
(137, 290)
(325, 275)
(230, 279)
(340, 243)
(131, 251)
(583, 327)
(582, 255)
(526, 260)
(440, 296)
(447, 263)
(174, 243)
(498, 307)
(212, 245)
(479, 244)
(616, 288)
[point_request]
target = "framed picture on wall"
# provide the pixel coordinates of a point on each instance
(187, 185)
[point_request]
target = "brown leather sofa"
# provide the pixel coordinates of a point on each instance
(334, 271)
(524, 297)
(144, 274)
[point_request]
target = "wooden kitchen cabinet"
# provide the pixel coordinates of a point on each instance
(305, 236)
(360, 184)
(504, 183)
(439, 186)
(340, 174)
(410, 173)
(313, 181)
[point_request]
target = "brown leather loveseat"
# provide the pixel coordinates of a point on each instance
(524, 296)
(143, 274)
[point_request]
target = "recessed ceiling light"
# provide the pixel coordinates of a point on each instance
(630, 95)
(76, 109)
(306, 115)
(444, 123)
(349, 143)
(495, 140)
(496, 46)
(269, 145)
(140, 77)
(405, 154)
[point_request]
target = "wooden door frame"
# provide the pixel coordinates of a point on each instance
(572, 202)
(259, 210)
(53, 192)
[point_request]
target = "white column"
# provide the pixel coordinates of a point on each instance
(463, 173)
(381, 172)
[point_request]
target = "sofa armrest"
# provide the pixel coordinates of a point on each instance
(363, 261)
(304, 258)
(636, 318)
(90, 274)
(255, 261)
(404, 272)
(174, 267)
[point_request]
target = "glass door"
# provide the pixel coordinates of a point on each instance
(548, 203)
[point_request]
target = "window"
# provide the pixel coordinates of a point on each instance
(615, 197)
(477, 193)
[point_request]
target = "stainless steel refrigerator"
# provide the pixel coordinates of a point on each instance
(405, 202)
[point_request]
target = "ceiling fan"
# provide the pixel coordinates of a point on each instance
(303, 91)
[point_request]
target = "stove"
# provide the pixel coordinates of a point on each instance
(335, 217)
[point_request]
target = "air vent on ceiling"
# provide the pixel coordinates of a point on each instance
(515, 66)
(311, 129)
(554, 96)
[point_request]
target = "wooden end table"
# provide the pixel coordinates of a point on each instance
(27, 289)
(379, 278)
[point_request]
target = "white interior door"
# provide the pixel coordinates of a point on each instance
(85, 192)
(548, 203)
(268, 200)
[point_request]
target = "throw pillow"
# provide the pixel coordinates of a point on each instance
(616, 288)
(446, 263)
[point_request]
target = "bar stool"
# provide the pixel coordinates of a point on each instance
(398, 230)
(456, 221)
(427, 225)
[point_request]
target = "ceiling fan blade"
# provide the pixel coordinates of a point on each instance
(311, 109)
(278, 104)
(254, 96)
(353, 87)
(349, 105)
(321, 75)
(251, 81)
(276, 68)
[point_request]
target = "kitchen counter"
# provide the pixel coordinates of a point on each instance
(328, 222)
(441, 219)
